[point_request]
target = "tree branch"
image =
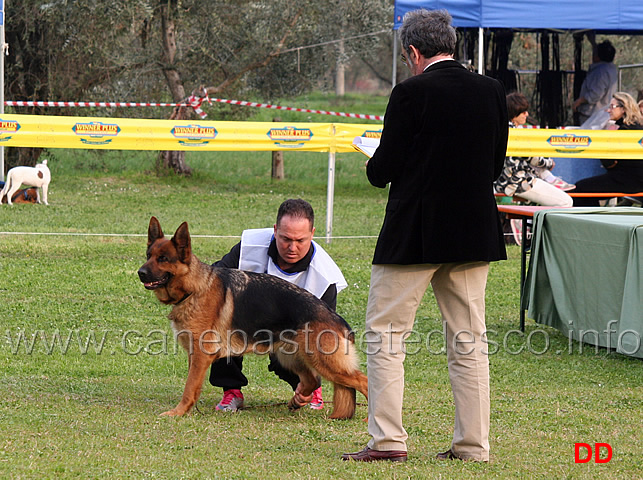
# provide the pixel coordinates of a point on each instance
(207, 91)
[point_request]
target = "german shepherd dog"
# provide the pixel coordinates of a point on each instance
(223, 311)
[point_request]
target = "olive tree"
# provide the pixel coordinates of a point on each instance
(171, 49)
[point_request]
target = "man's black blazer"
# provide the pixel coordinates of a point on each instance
(443, 145)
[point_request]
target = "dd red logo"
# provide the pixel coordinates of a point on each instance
(584, 457)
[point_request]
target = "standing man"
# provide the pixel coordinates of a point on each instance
(600, 83)
(287, 251)
(445, 131)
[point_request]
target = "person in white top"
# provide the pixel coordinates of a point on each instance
(599, 84)
(287, 251)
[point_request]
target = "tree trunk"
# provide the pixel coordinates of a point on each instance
(340, 71)
(174, 160)
(277, 161)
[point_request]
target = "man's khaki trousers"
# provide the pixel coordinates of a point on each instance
(395, 294)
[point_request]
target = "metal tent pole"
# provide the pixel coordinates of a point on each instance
(480, 50)
(330, 194)
(2, 52)
(394, 78)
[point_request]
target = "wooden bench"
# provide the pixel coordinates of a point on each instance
(635, 198)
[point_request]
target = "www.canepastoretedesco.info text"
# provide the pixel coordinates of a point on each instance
(163, 342)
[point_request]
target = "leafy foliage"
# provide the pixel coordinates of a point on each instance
(113, 49)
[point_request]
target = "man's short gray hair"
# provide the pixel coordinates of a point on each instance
(428, 31)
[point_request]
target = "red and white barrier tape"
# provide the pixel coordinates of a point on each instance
(305, 110)
(194, 102)
(11, 103)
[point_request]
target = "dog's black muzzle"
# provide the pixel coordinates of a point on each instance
(150, 281)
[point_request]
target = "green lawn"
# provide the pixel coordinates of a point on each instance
(86, 403)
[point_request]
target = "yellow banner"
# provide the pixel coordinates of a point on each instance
(136, 134)
(616, 144)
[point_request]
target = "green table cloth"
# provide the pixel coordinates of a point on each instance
(585, 275)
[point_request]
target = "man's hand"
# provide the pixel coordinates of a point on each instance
(579, 101)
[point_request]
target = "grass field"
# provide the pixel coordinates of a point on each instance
(89, 360)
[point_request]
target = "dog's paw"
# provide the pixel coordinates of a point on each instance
(298, 400)
(292, 405)
(171, 413)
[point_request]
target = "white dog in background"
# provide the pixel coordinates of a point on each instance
(38, 176)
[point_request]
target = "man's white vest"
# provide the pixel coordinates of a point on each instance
(320, 274)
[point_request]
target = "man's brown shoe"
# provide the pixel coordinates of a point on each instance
(370, 455)
(448, 455)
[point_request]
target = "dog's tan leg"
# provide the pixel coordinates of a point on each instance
(198, 362)
(346, 379)
(308, 382)
(355, 379)
(344, 401)
(341, 369)
(45, 188)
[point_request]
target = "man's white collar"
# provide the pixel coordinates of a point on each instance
(437, 61)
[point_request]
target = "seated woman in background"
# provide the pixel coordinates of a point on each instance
(624, 176)
(530, 177)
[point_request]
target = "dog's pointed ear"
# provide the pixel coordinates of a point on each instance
(154, 231)
(181, 240)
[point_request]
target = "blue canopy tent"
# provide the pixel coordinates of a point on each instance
(604, 16)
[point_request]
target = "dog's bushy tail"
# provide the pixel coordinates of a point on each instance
(344, 401)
